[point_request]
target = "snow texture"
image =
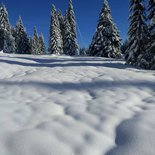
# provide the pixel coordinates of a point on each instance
(59, 105)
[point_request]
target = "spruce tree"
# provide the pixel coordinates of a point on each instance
(83, 51)
(124, 46)
(42, 47)
(4, 20)
(138, 33)
(106, 41)
(31, 44)
(9, 43)
(35, 42)
(72, 22)
(21, 38)
(5, 27)
(62, 26)
(150, 56)
(71, 18)
(68, 38)
(55, 40)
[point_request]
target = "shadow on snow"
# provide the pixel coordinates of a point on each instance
(81, 86)
(69, 63)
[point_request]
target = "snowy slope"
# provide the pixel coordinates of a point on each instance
(53, 105)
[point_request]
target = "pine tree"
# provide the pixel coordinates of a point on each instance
(68, 38)
(35, 42)
(55, 40)
(42, 47)
(106, 41)
(150, 56)
(124, 46)
(83, 51)
(62, 26)
(138, 33)
(9, 43)
(21, 38)
(72, 22)
(71, 18)
(5, 27)
(31, 44)
(4, 20)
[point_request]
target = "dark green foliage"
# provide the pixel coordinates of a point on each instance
(42, 47)
(70, 15)
(138, 33)
(21, 38)
(5, 27)
(55, 40)
(106, 40)
(124, 46)
(9, 43)
(35, 42)
(68, 39)
(62, 26)
(150, 57)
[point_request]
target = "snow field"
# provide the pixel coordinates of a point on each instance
(52, 105)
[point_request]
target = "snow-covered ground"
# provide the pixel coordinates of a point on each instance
(53, 105)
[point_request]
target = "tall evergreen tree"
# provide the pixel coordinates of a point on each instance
(4, 20)
(21, 38)
(71, 18)
(62, 26)
(138, 33)
(55, 40)
(150, 56)
(5, 27)
(31, 44)
(72, 22)
(42, 47)
(9, 43)
(106, 41)
(35, 42)
(68, 38)
(124, 46)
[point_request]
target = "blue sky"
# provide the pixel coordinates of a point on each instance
(37, 13)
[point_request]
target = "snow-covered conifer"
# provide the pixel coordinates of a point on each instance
(4, 20)
(9, 43)
(35, 42)
(124, 46)
(42, 47)
(21, 38)
(138, 33)
(150, 50)
(68, 39)
(106, 41)
(4, 25)
(83, 51)
(71, 18)
(55, 38)
(31, 44)
(72, 22)
(62, 26)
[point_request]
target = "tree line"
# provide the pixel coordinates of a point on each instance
(62, 35)
(16, 40)
(138, 49)
(141, 35)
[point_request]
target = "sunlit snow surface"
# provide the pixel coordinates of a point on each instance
(52, 105)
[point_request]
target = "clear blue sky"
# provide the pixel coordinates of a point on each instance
(37, 13)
